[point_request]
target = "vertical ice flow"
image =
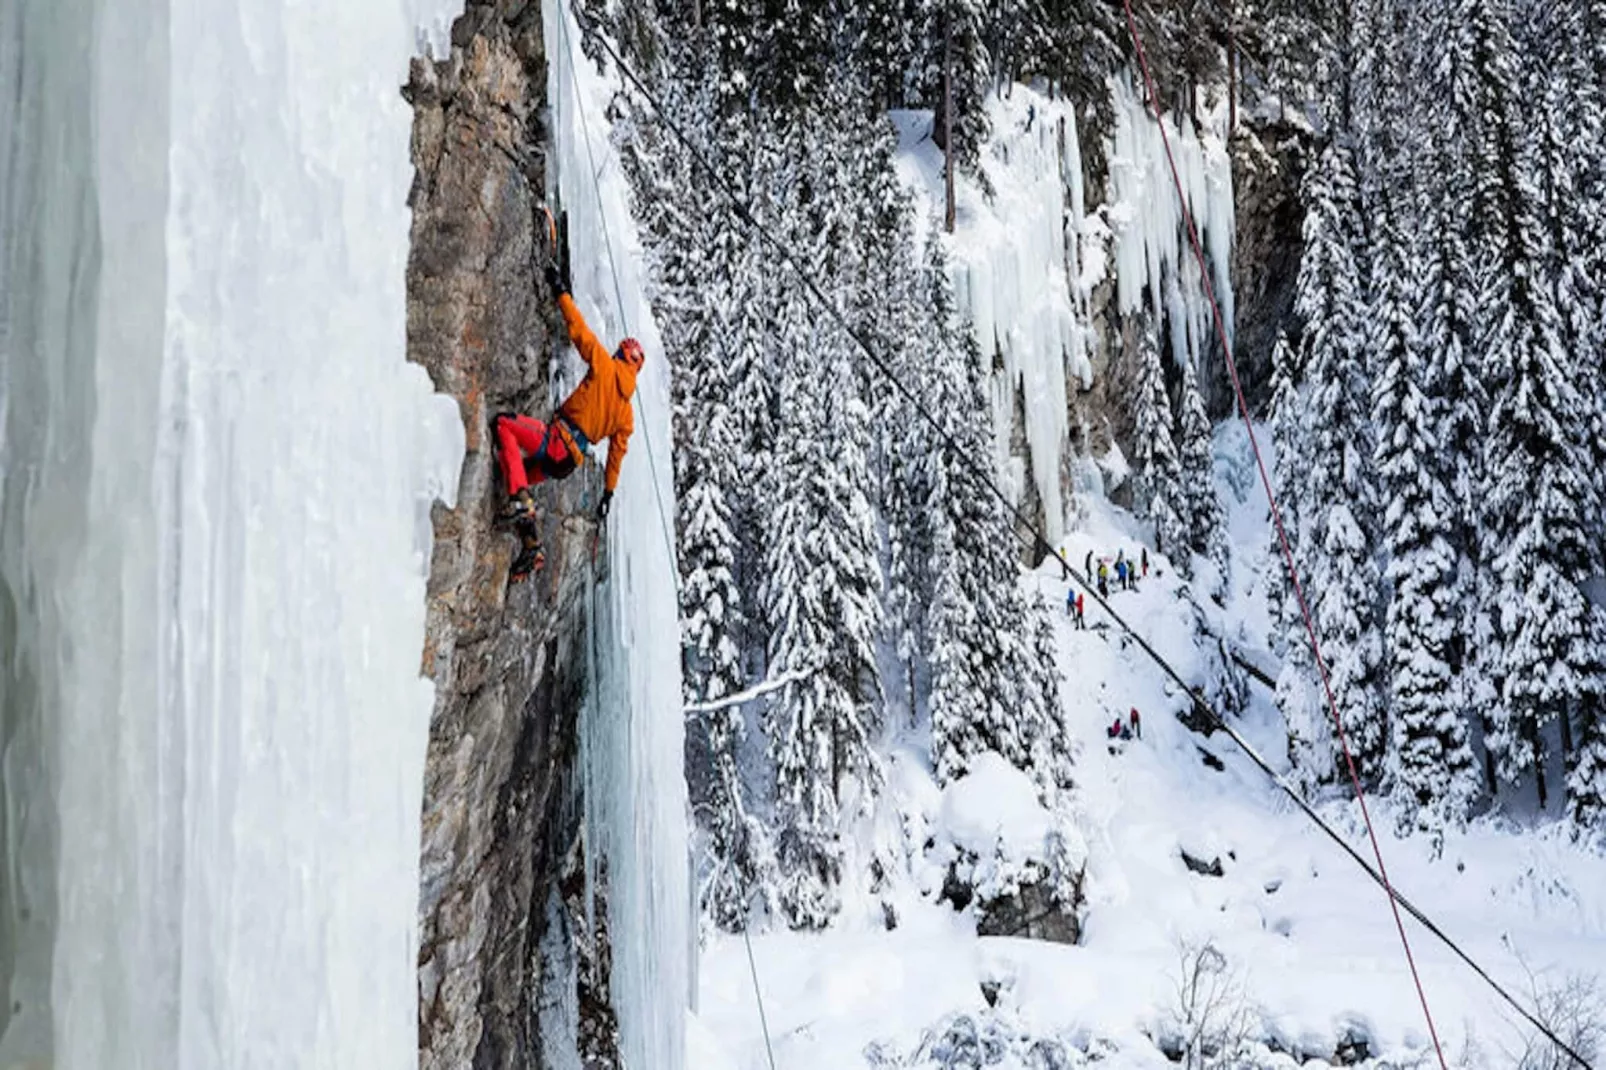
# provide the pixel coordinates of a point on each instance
(1153, 253)
(633, 745)
(216, 520)
(1022, 278)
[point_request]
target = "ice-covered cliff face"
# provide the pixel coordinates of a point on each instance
(1049, 269)
(216, 473)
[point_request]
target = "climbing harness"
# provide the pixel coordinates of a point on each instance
(1031, 536)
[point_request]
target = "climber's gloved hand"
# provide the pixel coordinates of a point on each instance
(603, 506)
(557, 279)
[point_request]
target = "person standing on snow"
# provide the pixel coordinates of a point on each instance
(1145, 562)
(1120, 572)
(1081, 619)
(1104, 579)
(1070, 603)
(532, 452)
(1087, 568)
(1136, 723)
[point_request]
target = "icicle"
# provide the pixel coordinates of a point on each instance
(1153, 254)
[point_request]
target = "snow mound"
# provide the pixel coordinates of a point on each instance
(993, 806)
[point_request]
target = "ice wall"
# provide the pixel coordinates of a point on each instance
(1153, 256)
(632, 746)
(217, 472)
(1024, 268)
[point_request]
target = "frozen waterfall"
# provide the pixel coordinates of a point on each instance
(1025, 261)
(1153, 255)
(633, 735)
(217, 468)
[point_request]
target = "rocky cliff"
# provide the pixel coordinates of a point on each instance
(501, 882)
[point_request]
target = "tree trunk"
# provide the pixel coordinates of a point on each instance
(1531, 730)
(948, 120)
(1232, 84)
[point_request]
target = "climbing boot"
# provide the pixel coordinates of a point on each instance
(520, 508)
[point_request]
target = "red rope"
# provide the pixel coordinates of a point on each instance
(1282, 534)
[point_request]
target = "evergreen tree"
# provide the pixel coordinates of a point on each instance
(822, 606)
(1159, 494)
(1206, 526)
(1534, 498)
(1431, 765)
(1338, 549)
(994, 683)
(906, 499)
(1289, 436)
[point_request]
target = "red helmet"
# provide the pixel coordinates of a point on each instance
(631, 353)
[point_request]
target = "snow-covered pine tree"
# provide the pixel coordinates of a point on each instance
(1207, 529)
(1159, 495)
(994, 683)
(961, 26)
(821, 600)
(1450, 320)
(1337, 548)
(1288, 436)
(1431, 765)
(1534, 495)
(1309, 727)
(1565, 127)
(905, 442)
(692, 261)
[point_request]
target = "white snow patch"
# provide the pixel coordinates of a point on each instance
(995, 806)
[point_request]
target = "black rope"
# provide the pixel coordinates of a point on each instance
(1037, 539)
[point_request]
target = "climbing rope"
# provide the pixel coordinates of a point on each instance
(1282, 535)
(1032, 536)
(619, 298)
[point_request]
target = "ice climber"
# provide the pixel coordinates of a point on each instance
(532, 452)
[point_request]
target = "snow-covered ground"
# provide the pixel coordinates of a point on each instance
(1307, 936)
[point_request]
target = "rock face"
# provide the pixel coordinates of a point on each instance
(500, 821)
(1035, 913)
(1268, 162)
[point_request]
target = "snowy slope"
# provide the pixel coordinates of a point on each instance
(1306, 933)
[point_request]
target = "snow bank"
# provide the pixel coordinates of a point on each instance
(632, 745)
(1153, 256)
(221, 480)
(996, 805)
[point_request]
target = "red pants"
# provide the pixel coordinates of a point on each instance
(518, 436)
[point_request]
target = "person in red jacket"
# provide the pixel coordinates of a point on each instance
(1137, 723)
(599, 409)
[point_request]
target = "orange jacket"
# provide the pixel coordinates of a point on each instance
(600, 405)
